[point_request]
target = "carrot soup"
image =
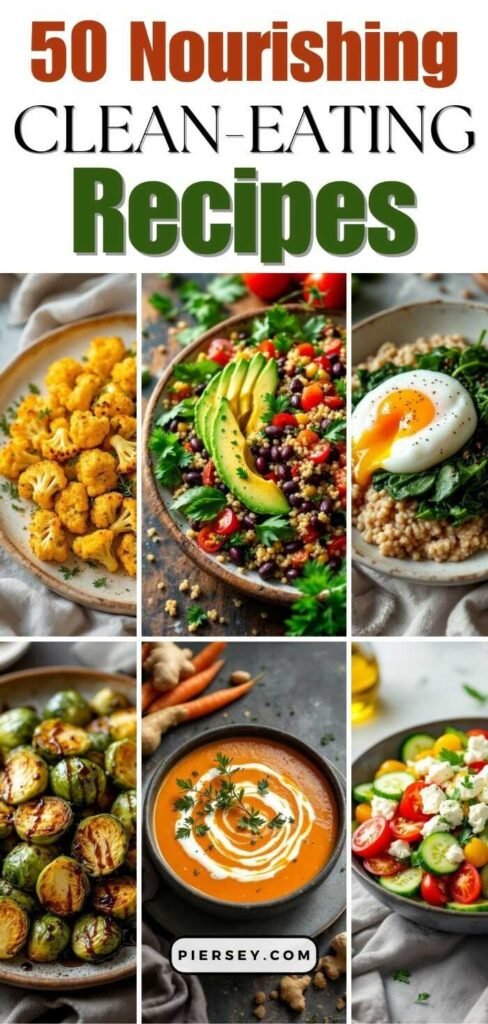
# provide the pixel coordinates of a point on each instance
(245, 820)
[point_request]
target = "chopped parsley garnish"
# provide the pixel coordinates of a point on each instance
(197, 616)
(171, 457)
(197, 372)
(184, 410)
(201, 503)
(67, 573)
(274, 405)
(422, 997)
(34, 390)
(321, 608)
(273, 529)
(402, 975)
(100, 583)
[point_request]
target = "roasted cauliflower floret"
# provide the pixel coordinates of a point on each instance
(126, 453)
(87, 430)
(87, 385)
(97, 547)
(59, 447)
(40, 483)
(127, 553)
(126, 426)
(105, 508)
(112, 401)
(104, 353)
(14, 458)
(47, 538)
(97, 470)
(63, 373)
(127, 520)
(32, 428)
(72, 507)
(124, 374)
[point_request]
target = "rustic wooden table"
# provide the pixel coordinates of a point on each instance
(243, 616)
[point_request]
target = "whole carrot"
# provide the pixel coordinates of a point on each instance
(186, 690)
(215, 701)
(148, 694)
(208, 655)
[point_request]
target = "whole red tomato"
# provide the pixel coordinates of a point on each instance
(268, 286)
(326, 291)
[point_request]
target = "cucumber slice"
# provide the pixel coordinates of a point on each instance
(406, 883)
(432, 852)
(479, 906)
(393, 784)
(415, 744)
(363, 793)
(484, 880)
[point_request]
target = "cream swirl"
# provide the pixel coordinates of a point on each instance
(238, 859)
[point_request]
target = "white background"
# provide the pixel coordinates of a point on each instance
(36, 191)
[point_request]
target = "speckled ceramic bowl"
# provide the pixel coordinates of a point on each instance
(33, 687)
(363, 770)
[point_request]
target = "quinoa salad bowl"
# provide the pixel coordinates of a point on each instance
(419, 435)
(245, 449)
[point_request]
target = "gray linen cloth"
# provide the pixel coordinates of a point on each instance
(451, 968)
(43, 302)
(84, 1006)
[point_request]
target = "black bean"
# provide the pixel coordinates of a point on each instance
(264, 450)
(306, 506)
(295, 501)
(325, 423)
(199, 389)
(296, 401)
(338, 370)
(280, 471)
(196, 445)
(326, 505)
(262, 464)
(249, 520)
(292, 574)
(287, 452)
(222, 487)
(275, 453)
(273, 431)
(291, 546)
(174, 426)
(296, 385)
(290, 487)
(334, 563)
(236, 555)
(267, 569)
(194, 478)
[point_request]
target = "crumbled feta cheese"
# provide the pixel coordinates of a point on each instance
(435, 824)
(483, 796)
(399, 848)
(454, 854)
(469, 786)
(477, 749)
(383, 808)
(439, 771)
(478, 816)
(422, 765)
(452, 811)
(432, 797)
(483, 774)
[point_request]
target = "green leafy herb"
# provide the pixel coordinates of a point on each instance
(34, 390)
(171, 457)
(125, 486)
(263, 786)
(475, 694)
(226, 288)
(4, 425)
(184, 410)
(184, 783)
(402, 975)
(272, 529)
(465, 835)
(200, 503)
(67, 573)
(242, 473)
(313, 327)
(146, 377)
(208, 307)
(100, 583)
(184, 803)
(183, 832)
(253, 822)
(10, 489)
(274, 405)
(276, 321)
(341, 388)
(197, 372)
(163, 304)
(277, 822)
(336, 431)
(321, 608)
(451, 757)
(422, 997)
(196, 616)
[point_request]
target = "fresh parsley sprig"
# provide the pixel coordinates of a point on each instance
(321, 608)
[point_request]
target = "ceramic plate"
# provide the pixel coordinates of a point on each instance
(401, 325)
(30, 367)
(33, 687)
(11, 651)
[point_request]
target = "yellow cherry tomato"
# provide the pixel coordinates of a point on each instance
(424, 753)
(390, 766)
(476, 852)
(449, 741)
(362, 813)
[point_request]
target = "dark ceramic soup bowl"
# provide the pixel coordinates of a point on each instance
(226, 908)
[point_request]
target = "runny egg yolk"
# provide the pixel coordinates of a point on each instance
(400, 414)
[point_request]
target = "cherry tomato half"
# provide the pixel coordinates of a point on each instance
(334, 402)
(333, 347)
(476, 766)
(268, 286)
(221, 350)
(326, 291)
(321, 454)
(305, 349)
(208, 475)
(340, 480)
(268, 349)
(307, 437)
(208, 540)
(312, 395)
(404, 829)
(311, 534)
(226, 522)
(284, 419)
(465, 885)
(383, 865)
(372, 837)
(434, 890)
(411, 802)
(337, 545)
(477, 732)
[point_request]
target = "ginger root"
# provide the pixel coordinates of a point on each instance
(292, 991)
(319, 980)
(154, 726)
(168, 664)
(334, 966)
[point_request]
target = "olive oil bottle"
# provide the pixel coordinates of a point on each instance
(364, 683)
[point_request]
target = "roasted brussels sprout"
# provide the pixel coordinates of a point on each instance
(97, 757)
(123, 724)
(6, 820)
(24, 899)
(125, 809)
(48, 938)
(16, 727)
(100, 844)
(106, 701)
(15, 928)
(43, 821)
(99, 743)
(62, 887)
(120, 763)
(116, 897)
(54, 739)
(99, 733)
(78, 780)
(23, 865)
(68, 705)
(100, 725)
(25, 776)
(95, 937)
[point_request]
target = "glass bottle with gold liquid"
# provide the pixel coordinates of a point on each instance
(364, 683)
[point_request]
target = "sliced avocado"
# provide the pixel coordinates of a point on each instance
(266, 384)
(256, 365)
(224, 380)
(205, 402)
(234, 464)
(235, 384)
